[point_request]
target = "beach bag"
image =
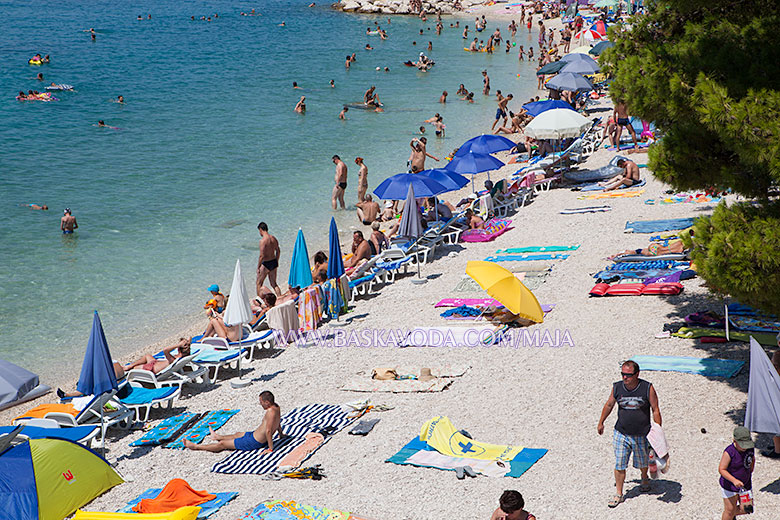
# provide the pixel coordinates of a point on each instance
(384, 374)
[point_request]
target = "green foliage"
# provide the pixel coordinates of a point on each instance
(737, 251)
(706, 72)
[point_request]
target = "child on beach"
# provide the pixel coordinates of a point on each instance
(510, 507)
(736, 468)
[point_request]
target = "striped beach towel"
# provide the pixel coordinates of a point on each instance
(295, 425)
(214, 420)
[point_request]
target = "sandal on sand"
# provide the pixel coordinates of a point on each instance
(645, 486)
(615, 500)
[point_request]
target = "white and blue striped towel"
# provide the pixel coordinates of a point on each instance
(295, 425)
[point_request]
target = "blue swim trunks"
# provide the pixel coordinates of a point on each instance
(248, 443)
(67, 231)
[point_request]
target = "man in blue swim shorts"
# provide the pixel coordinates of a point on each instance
(261, 438)
(68, 222)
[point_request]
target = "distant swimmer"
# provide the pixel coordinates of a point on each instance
(282, 24)
(422, 130)
(369, 47)
(68, 223)
(43, 207)
(332, 84)
(301, 106)
(341, 182)
(92, 33)
(140, 17)
(119, 99)
(312, 4)
(295, 84)
(348, 62)
(101, 123)
(466, 32)
(343, 113)
(39, 77)
(443, 98)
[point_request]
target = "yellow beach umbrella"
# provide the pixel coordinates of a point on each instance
(584, 49)
(504, 286)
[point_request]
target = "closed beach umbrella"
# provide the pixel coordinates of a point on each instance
(504, 286)
(580, 67)
(600, 46)
(448, 179)
(237, 310)
(551, 68)
(558, 123)
(397, 186)
(410, 225)
(537, 107)
(569, 81)
(300, 270)
(97, 372)
(485, 143)
(335, 262)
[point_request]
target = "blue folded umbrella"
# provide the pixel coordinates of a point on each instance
(335, 262)
(300, 271)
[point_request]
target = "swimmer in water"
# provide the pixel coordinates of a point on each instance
(101, 123)
(68, 222)
(301, 106)
(295, 84)
(332, 84)
(369, 47)
(343, 113)
(282, 24)
(443, 98)
(43, 207)
(120, 99)
(39, 77)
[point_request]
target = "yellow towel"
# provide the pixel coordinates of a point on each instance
(442, 436)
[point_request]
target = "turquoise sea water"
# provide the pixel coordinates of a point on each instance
(208, 146)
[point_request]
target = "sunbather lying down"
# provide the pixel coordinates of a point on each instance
(654, 249)
(154, 365)
(262, 437)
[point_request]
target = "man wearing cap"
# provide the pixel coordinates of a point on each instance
(635, 398)
(217, 301)
(68, 222)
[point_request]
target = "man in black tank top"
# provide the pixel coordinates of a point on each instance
(635, 398)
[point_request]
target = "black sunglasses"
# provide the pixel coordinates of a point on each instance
(627, 374)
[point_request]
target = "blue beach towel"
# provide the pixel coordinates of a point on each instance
(130, 394)
(295, 424)
(517, 466)
(526, 258)
(165, 430)
(537, 249)
(206, 509)
(214, 420)
(212, 355)
(657, 226)
(709, 367)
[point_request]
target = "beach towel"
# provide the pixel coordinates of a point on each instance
(764, 338)
(588, 209)
(283, 317)
(614, 194)
(214, 420)
(418, 452)
(708, 367)
(290, 510)
(536, 249)
(655, 226)
(442, 436)
(325, 418)
(166, 430)
(132, 395)
(206, 508)
(475, 302)
(657, 440)
(594, 186)
(42, 409)
(210, 354)
(493, 229)
(755, 324)
(526, 257)
(312, 441)
(176, 493)
(397, 386)
(682, 198)
(647, 264)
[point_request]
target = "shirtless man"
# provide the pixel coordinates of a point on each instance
(367, 211)
(341, 182)
(622, 119)
(485, 83)
(68, 223)
(362, 179)
(473, 46)
(262, 437)
(300, 107)
(418, 155)
(343, 113)
(443, 98)
(501, 111)
(361, 250)
(268, 261)
(629, 177)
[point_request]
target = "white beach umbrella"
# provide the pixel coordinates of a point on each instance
(558, 123)
(237, 311)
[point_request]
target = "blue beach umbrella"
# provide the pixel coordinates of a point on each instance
(551, 68)
(485, 144)
(397, 186)
(472, 163)
(569, 81)
(335, 263)
(447, 178)
(537, 107)
(581, 67)
(600, 46)
(577, 57)
(97, 372)
(300, 270)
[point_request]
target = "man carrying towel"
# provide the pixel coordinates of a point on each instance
(262, 437)
(634, 397)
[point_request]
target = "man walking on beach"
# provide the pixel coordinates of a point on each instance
(341, 182)
(634, 397)
(68, 222)
(268, 261)
(501, 111)
(621, 117)
(262, 437)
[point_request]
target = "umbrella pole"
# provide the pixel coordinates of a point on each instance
(102, 433)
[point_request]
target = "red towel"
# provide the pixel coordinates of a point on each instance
(176, 493)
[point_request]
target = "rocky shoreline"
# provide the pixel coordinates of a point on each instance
(412, 7)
